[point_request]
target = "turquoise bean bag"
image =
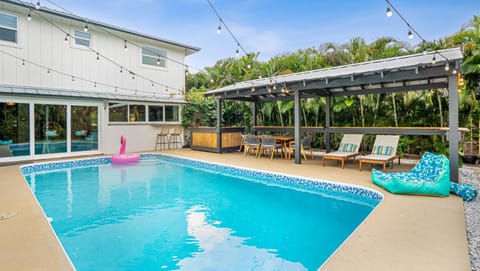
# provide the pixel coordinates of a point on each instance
(430, 176)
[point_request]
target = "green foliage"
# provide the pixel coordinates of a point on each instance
(422, 108)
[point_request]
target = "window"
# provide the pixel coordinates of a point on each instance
(121, 112)
(137, 113)
(82, 38)
(8, 27)
(155, 113)
(117, 112)
(154, 56)
(172, 113)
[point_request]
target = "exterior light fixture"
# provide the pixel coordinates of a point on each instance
(410, 34)
(388, 12)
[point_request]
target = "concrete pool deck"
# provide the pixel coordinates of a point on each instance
(402, 233)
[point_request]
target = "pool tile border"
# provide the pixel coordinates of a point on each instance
(305, 184)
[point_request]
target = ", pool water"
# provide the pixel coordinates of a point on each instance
(168, 213)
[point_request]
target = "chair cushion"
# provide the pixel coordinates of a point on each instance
(382, 150)
(347, 147)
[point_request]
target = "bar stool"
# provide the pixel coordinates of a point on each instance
(175, 137)
(162, 139)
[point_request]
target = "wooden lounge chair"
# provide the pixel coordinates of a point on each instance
(348, 148)
(384, 151)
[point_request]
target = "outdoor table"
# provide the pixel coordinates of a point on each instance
(284, 140)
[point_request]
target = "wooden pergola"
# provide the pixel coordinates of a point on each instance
(431, 70)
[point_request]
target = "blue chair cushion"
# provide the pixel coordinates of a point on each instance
(466, 191)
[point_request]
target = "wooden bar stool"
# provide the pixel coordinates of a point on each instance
(163, 139)
(176, 137)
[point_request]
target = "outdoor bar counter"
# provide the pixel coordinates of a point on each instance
(211, 139)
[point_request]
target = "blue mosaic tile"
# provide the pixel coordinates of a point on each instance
(341, 191)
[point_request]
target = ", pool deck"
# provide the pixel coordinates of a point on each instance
(402, 233)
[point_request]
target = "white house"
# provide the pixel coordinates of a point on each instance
(72, 86)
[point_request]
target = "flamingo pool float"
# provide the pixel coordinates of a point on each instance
(124, 157)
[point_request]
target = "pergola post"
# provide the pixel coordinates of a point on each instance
(327, 124)
(298, 135)
(453, 135)
(219, 125)
(254, 114)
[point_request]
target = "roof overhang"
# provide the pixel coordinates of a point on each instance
(410, 72)
(90, 95)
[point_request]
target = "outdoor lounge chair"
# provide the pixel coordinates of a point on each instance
(306, 145)
(268, 143)
(430, 176)
(384, 151)
(348, 148)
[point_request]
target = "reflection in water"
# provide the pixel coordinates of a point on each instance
(221, 250)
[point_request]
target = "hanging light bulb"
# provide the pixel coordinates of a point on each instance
(85, 28)
(389, 12)
(237, 52)
(29, 17)
(454, 71)
(249, 66)
(434, 60)
(73, 78)
(125, 46)
(219, 28)
(410, 34)
(98, 57)
(66, 38)
(37, 6)
(447, 67)
(158, 61)
(94, 84)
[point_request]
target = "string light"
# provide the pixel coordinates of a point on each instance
(67, 35)
(85, 28)
(29, 17)
(73, 78)
(125, 46)
(117, 36)
(411, 30)
(98, 57)
(219, 29)
(37, 6)
(158, 61)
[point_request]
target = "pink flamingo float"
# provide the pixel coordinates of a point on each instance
(124, 157)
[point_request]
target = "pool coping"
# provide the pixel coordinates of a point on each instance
(388, 239)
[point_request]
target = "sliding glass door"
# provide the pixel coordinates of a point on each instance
(40, 128)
